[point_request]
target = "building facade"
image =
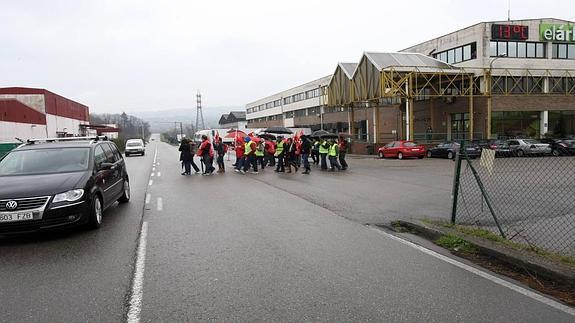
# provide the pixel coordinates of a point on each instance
(233, 120)
(490, 80)
(37, 113)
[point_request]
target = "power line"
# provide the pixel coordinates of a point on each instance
(199, 113)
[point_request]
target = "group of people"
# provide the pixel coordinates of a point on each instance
(287, 153)
(257, 153)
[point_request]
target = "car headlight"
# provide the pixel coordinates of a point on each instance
(70, 196)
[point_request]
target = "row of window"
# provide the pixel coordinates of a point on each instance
(458, 54)
(532, 84)
(517, 49)
(310, 94)
(315, 111)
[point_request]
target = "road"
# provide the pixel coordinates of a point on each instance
(264, 247)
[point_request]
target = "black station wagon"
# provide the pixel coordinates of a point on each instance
(60, 182)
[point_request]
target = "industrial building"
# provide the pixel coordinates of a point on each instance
(233, 120)
(498, 79)
(36, 113)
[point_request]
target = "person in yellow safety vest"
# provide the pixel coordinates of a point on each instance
(323, 150)
(333, 149)
(280, 168)
(260, 153)
(250, 153)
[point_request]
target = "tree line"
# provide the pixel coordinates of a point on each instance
(130, 126)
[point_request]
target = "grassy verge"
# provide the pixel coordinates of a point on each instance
(488, 235)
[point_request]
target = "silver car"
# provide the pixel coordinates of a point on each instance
(523, 147)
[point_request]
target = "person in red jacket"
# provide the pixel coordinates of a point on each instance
(270, 150)
(206, 152)
(240, 158)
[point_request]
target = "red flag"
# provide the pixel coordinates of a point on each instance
(217, 136)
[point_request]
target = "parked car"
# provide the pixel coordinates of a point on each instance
(63, 183)
(560, 147)
(500, 146)
(450, 149)
(135, 146)
(402, 149)
(523, 147)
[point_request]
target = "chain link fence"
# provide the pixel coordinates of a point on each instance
(525, 192)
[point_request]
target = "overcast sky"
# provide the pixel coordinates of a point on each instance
(141, 55)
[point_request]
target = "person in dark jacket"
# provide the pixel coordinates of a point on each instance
(305, 151)
(290, 155)
(342, 151)
(187, 156)
(221, 150)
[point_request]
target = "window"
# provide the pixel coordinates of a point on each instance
(512, 49)
(530, 50)
(563, 51)
(501, 48)
(521, 50)
(99, 156)
(300, 113)
(458, 54)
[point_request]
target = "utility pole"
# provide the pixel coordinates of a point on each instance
(199, 113)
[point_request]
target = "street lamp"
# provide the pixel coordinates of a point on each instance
(488, 83)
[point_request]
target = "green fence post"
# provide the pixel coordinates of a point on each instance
(455, 189)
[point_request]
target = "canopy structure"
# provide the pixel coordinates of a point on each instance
(340, 88)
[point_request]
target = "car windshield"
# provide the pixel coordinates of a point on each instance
(134, 144)
(45, 161)
(410, 144)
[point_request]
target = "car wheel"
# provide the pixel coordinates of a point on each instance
(96, 211)
(428, 154)
(399, 155)
(127, 155)
(555, 152)
(450, 155)
(143, 153)
(520, 153)
(380, 155)
(125, 198)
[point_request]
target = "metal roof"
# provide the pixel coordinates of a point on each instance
(405, 61)
(348, 69)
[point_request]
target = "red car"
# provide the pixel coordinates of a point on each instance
(402, 149)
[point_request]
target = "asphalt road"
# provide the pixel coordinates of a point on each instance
(264, 247)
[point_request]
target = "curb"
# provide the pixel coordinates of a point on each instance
(550, 270)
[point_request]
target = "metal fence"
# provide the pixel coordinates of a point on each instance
(527, 196)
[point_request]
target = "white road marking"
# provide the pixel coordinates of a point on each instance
(152, 175)
(135, 307)
(154, 169)
(159, 174)
(150, 183)
(497, 280)
(160, 204)
(148, 198)
(156, 155)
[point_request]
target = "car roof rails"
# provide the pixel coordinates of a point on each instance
(66, 139)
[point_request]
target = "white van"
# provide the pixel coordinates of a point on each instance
(135, 146)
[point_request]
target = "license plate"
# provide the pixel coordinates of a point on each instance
(13, 217)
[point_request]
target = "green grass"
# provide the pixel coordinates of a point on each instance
(455, 243)
(488, 235)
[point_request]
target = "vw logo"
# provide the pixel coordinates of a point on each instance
(11, 205)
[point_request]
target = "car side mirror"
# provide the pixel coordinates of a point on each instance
(106, 166)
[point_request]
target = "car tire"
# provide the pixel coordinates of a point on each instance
(125, 198)
(380, 155)
(399, 155)
(127, 155)
(143, 153)
(450, 155)
(520, 153)
(429, 155)
(555, 152)
(96, 210)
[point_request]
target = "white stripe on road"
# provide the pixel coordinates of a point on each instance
(135, 307)
(159, 174)
(153, 174)
(153, 169)
(150, 183)
(148, 198)
(155, 155)
(160, 204)
(483, 274)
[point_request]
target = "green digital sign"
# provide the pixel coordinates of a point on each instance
(557, 32)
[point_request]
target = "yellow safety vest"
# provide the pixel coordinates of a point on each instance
(247, 148)
(333, 150)
(279, 148)
(322, 149)
(259, 153)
